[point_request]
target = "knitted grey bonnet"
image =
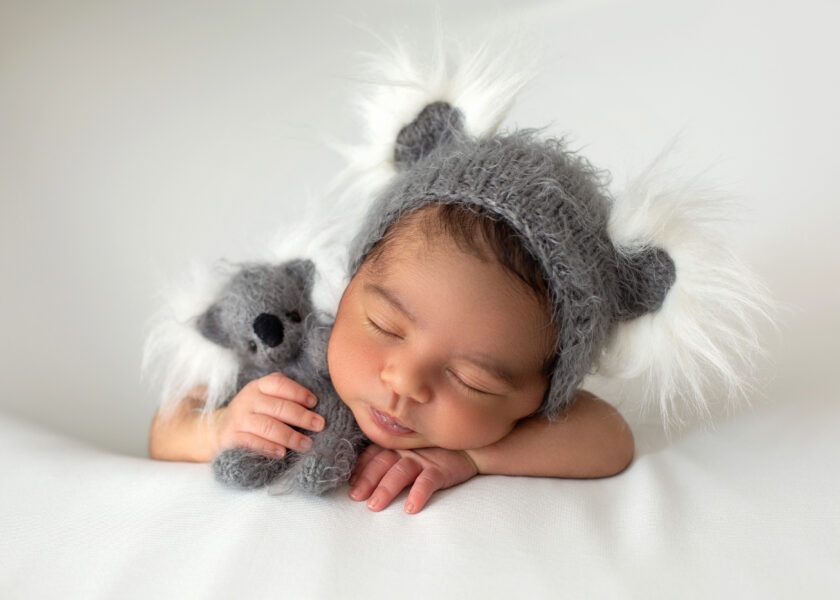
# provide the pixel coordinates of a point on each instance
(558, 207)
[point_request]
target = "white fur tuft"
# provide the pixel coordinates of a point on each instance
(701, 347)
(176, 357)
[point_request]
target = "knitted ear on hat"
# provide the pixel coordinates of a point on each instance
(644, 278)
(435, 126)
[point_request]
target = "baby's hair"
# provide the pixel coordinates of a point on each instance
(475, 232)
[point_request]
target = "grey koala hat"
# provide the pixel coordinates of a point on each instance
(554, 202)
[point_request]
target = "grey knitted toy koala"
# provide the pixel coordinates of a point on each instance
(264, 314)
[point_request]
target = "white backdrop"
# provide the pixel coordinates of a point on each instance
(137, 136)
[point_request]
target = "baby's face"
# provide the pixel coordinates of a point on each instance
(445, 344)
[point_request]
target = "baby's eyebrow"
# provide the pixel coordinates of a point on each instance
(392, 299)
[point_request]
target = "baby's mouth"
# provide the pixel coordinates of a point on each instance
(388, 423)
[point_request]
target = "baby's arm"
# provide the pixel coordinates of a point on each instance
(186, 435)
(591, 439)
(258, 418)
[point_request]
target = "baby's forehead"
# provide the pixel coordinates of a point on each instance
(496, 303)
(416, 236)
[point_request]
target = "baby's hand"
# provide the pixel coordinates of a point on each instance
(260, 415)
(388, 472)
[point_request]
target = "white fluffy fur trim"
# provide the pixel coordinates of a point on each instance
(176, 357)
(700, 348)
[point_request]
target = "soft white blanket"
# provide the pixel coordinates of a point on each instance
(749, 510)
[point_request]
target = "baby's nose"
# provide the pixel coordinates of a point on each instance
(405, 381)
(269, 329)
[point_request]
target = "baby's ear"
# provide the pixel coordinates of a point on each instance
(644, 277)
(436, 125)
(209, 325)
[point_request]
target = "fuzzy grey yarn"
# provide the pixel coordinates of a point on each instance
(557, 204)
(264, 314)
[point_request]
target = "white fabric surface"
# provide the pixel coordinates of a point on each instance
(748, 510)
(135, 137)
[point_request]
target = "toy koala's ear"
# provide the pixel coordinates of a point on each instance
(437, 124)
(209, 324)
(302, 272)
(644, 278)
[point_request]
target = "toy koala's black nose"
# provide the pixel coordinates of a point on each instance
(269, 329)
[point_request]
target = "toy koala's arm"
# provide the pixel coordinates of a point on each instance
(336, 449)
(333, 456)
(246, 469)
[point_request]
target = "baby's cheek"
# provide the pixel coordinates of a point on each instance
(463, 428)
(348, 363)
(337, 360)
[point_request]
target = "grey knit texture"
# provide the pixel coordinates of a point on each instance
(557, 204)
(264, 313)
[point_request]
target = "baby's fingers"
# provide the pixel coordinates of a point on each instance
(280, 386)
(427, 483)
(260, 445)
(379, 461)
(288, 412)
(275, 432)
(398, 477)
(362, 462)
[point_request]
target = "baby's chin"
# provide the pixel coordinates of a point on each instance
(415, 441)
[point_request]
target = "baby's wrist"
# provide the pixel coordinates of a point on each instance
(211, 433)
(468, 455)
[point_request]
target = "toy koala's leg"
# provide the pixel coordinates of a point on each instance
(243, 468)
(333, 456)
